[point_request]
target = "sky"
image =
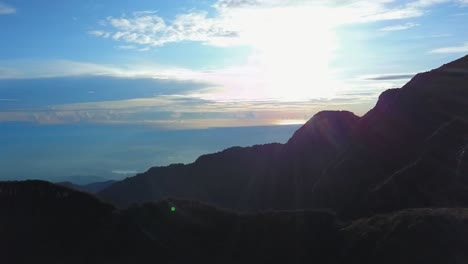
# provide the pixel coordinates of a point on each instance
(189, 65)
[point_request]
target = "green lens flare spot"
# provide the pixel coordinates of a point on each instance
(172, 209)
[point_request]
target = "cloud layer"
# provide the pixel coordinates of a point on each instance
(452, 49)
(6, 9)
(399, 27)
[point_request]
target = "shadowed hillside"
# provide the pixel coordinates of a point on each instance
(46, 223)
(407, 152)
(271, 176)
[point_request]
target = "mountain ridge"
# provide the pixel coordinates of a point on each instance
(388, 187)
(67, 229)
(309, 171)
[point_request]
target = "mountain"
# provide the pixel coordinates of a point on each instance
(271, 176)
(406, 152)
(46, 223)
(93, 188)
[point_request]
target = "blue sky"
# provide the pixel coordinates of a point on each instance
(278, 61)
(185, 65)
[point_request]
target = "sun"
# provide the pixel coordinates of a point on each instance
(293, 51)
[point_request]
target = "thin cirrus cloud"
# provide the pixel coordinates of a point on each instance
(452, 49)
(33, 69)
(387, 77)
(124, 172)
(399, 27)
(6, 9)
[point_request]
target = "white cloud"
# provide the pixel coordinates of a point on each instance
(30, 69)
(432, 36)
(236, 21)
(427, 3)
(6, 9)
(452, 49)
(125, 172)
(127, 47)
(291, 41)
(150, 30)
(388, 77)
(100, 33)
(399, 27)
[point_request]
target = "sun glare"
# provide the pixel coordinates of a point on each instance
(293, 50)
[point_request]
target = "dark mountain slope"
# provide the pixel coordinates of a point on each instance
(272, 176)
(44, 223)
(93, 188)
(408, 151)
(409, 236)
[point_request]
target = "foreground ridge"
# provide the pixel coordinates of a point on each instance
(58, 228)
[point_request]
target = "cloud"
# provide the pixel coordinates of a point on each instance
(99, 33)
(452, 49)
(290, 42)
(125, 172)
(236, 22)
(150, 30)
(432, 36)
(226, 4)
(6, 9)
(216, 98)
(183, 112)
(389, 77)
(127, 47)
(33, 69)
(399, 27)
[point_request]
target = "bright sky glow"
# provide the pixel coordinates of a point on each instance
(235, 62)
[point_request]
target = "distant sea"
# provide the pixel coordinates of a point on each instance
(86, 153)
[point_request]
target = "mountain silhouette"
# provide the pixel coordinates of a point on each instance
(93, 188)
(406, 152)
(388, 187)
(46, 223)
(270, 176)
